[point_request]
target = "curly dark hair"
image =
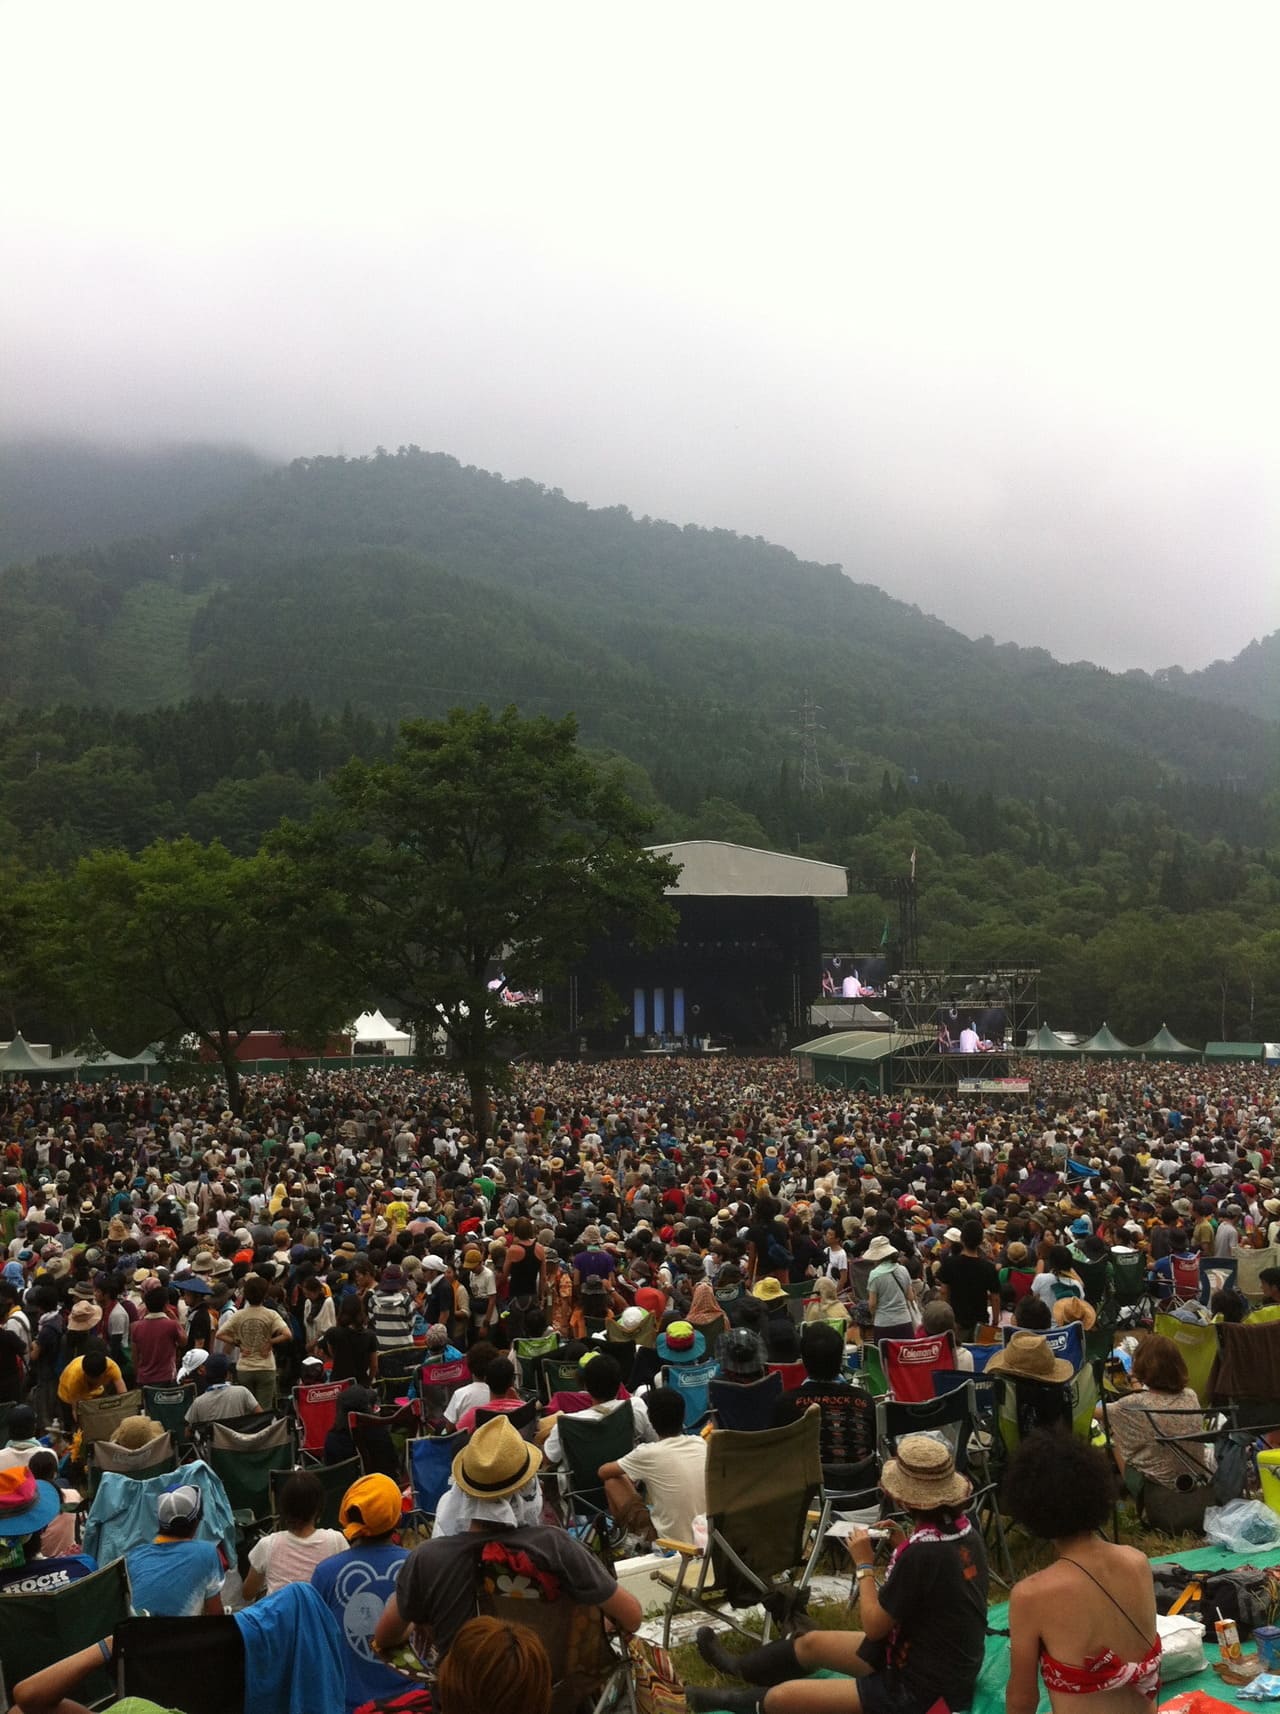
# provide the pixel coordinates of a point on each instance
(1058, 1486)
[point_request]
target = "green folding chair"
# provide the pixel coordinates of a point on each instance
(169, 1406)
(37, 1630)
(243, 1463)
(335, 1479)
(1198, 1343)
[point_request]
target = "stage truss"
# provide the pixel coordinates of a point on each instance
(922, 991)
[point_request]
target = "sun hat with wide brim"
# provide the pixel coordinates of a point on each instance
(26, 1504)
(84, 1316)
(768, 1290)
(1074, 1309)
(681, 1343)
(496, 1462)
(1028, 1357)
(922, 1474)
(880, 1250)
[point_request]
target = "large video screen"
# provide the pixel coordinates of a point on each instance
(854, 975)
(971, 1029)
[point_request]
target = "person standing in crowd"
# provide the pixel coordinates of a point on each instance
(255, 1333)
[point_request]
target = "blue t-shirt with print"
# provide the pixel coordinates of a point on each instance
(174, 1579)
(355, 1587)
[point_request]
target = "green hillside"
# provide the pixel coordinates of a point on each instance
(1251, 681)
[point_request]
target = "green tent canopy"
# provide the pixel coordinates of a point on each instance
(1238, 1050)
(1104, 1042)
(1165, 1045)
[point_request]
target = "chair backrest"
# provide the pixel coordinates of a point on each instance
(578, 1646)
(523, 1420)
(981, 1390)
(397, 1369)
(871, 1369)
(153, 1459)
(760, 1488)
(586, 1443)
(431, 1459)
(1128, 1277)
(100, 1418)
(1021, 1281)
(37, 1630)
(402, 1424)
(447, 1376)
(1186, 1275)
(908, 1364)
(559, 1375)
(244, 1463)
(847, 1424)
(949, 1417)
(981, 1354)
(1219, 1274)
(1022, 1406)
(1249, 1265)
(792, 1375)
(196, 1664)
(334, 1479)
(316, 1408)
(168, 1405)
(692, 1381)
(1198, 1343)
(747, 1408)
(1066, 1342)
(1094, 1276)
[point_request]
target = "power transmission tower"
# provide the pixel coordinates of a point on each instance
(809, 728)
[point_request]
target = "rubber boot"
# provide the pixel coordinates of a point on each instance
(700, 1698)
(771, 1663)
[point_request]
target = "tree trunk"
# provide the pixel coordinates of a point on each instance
(478, 1084)
(231, 1071)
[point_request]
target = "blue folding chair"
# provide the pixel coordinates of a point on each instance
(749, 1407)
(693, 1382)
(981, 1354)
(431, 1459)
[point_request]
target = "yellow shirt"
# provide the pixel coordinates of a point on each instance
(398, 1214)
(74, 1385)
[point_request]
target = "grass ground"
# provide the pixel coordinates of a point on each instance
(1027, 1555)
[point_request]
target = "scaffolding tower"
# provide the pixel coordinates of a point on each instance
(923, 992)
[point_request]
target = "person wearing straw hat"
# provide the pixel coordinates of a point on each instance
(436, 1589)
(1046, 1402)
(923, 1629)
(890, 1291)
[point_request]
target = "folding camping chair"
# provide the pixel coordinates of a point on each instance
(431, 1459)
(524, 1420)
(692, 1381)
(98, 1419)
(169, 1406)
(792, 1375)
(1095, 1277)
(397, 1370)
(37, 1630)
(909, 1363)
(334, 1479)
(764, 1536)
(587, 1442)
(559, 1375)
(243, 1464)
(315, 1409)
(156, 1458)
(1249, 1265)
(590, 1668)
(1198, 1343)
(402, 1423)
(1168, 1510)
(747, 1408)
(1133, 1304)
(196, 1664)
(1186, 1279)
(1218, 1274)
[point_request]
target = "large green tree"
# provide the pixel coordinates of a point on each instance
(186, 940)
(487, 841)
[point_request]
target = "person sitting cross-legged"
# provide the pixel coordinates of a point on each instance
(923, 1629)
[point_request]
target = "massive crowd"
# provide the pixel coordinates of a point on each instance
(612, 1208)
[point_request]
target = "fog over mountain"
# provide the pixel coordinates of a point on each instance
(978, 305)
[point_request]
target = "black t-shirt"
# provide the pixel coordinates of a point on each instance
(351, 1348)
(968, 1280)
(847, 1435)
(936, 1595)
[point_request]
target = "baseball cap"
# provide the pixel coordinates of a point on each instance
(181, 1505)
(370, 1506)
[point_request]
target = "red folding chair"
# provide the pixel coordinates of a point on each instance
(1186, 1278)
(448, 1376)
(316, 1408)
(909, 1365)
(792, 1375)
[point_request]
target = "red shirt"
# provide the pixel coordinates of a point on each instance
(156, 1340)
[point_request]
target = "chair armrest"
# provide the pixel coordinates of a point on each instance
(685, 1548)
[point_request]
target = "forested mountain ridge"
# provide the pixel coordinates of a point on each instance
(405, 583)
(1250, 681)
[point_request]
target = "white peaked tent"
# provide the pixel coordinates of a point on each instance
(372, 1027)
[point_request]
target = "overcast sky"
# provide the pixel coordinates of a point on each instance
(978, 300)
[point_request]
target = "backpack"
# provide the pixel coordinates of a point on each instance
(1249, 1596)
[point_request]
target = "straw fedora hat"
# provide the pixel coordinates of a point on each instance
(496, 1462)
(136, 1432)
(1027, 1357)
(922, 1474)
(1074, 1309)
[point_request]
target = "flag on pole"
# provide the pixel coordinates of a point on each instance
(913, 862)
(884, 933)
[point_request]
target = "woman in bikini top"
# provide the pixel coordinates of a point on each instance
(1086, 1624)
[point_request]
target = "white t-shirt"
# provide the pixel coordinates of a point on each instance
(674, 1473)
(283, 1557)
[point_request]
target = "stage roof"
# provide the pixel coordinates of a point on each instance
(712, 869)
(857, 1044)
